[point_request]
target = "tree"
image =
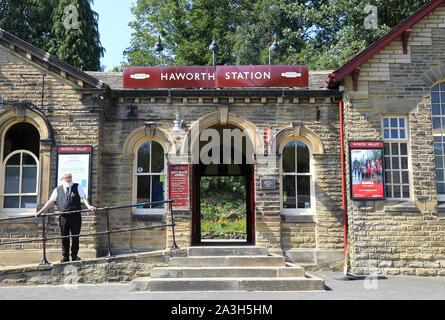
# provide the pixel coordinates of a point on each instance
(75, 35)
(353, 36)
(27, 19)
(47, 25)
(323, 34)
(187, 29)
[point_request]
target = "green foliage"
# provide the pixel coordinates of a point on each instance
(77, 46)
(234, 186)
(222, 228)
(187, 29)
(29, 20)
(223, 206)
(321, 33)
(41, 23)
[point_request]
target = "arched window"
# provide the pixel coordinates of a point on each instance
(20, 180)
(19, 169)
(438, 111)
(150, 174)
(296, 178)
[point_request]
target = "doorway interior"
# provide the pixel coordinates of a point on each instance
(223, 200)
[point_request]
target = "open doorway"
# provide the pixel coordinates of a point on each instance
(223, 198)
(223, 208)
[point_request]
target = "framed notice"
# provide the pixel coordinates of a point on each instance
(367, 170)
(179, 186)
(77, 160)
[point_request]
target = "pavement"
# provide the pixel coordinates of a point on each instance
(363, 288)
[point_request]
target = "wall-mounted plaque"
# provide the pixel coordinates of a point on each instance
(77, 160)
(179, 186)
(269, 184)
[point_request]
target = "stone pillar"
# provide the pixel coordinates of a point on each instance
(267, 204)
(183, 219)
(45, 170)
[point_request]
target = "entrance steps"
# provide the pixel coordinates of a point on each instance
(228, 268)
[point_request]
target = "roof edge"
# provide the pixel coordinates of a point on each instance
(374, 48)
(47, 58)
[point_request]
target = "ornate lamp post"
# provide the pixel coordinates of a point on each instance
(159, 48)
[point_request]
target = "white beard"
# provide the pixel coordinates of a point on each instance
(67, 184)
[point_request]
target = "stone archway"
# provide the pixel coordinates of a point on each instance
(433, 75)
(296, 130)
(218, 121)
(222, 117)
(152, 132)
(22, 112)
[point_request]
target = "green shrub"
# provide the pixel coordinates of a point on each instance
(223, 205)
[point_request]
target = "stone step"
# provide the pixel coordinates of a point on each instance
(228, 261)
(228, 284)
(227, 251)
(227, 272)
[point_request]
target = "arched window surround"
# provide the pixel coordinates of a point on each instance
(24, 113)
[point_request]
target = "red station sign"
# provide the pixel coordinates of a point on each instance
(219, 76)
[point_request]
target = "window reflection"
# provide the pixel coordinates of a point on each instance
(296, 178)
(150, 174)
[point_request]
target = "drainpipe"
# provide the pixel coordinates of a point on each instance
(343, 186)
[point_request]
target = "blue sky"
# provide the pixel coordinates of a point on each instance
(114, 16)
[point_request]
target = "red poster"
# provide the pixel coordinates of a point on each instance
(367, 170)
(179, 188)
(219, 76)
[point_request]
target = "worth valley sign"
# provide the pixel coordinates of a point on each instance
(220, 76)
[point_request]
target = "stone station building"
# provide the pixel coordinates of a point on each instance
(396, 85)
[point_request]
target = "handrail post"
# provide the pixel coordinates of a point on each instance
(108, 233)
(44, 260)
(170, 204)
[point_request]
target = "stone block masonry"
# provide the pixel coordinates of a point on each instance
(74, 120)
(396, 236)
(115, 269)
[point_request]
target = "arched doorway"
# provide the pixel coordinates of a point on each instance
(225, 162)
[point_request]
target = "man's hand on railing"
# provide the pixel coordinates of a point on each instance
(92, 208)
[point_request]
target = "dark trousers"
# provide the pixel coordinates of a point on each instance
(70, 224)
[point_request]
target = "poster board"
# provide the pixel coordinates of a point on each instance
(179, 186)
(77, 160)
(367, 172)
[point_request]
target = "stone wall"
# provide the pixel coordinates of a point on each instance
(394, 237)
(115, 269)
(113, 127)
(75, 120)
(322, 231)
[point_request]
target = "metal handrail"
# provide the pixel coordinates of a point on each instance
(44, 238)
